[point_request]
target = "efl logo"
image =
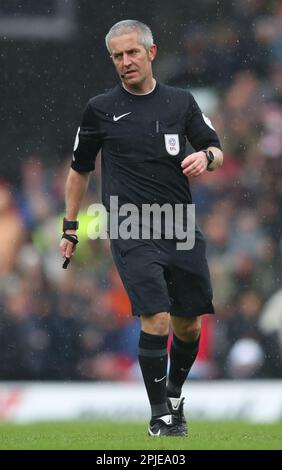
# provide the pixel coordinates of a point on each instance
(172, 144)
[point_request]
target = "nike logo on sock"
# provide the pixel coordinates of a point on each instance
(159, 380)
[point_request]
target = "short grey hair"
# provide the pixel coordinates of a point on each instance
(128, 26)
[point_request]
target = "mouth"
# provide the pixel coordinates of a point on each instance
(130, 73)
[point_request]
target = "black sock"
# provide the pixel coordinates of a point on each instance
(153, 364)
(182, 357)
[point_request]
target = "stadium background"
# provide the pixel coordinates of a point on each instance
(76, 325)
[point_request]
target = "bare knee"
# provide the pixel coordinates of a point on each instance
(186, 329)
(157, 324)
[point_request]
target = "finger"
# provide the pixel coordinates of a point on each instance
(195, 172)
(69, 250)
(191, 169)
(63, 247)
(188, 161)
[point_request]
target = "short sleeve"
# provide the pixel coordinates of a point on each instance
(87, 142)
(199, 129)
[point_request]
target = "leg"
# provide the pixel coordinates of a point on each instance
(140, 265)
(153, 360)
(187, 329)
(141, 271)
(157, 324)
(184, 349)
(190, 292)
(153, 363)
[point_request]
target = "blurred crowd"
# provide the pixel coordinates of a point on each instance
(77, 324)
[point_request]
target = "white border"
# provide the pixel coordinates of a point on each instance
(253, 401)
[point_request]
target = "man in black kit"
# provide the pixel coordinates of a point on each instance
(142, 127)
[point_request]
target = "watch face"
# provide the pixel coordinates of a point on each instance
(210, 157)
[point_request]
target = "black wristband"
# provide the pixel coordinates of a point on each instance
(70, 224)
(71, 238)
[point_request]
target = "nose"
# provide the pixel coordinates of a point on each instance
(126, 59)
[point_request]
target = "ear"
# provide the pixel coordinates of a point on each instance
(152, 52)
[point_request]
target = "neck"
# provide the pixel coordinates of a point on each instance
(141, 89)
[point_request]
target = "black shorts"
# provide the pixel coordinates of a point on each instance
(160, 278)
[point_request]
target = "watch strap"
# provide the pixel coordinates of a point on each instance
(210, 157)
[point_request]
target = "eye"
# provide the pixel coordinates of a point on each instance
(117, 56)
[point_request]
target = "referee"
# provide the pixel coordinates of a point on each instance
(142, 127)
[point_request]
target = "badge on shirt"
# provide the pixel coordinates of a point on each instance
(172, 144)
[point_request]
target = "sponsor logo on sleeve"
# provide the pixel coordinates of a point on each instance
(76, 142)
(208, 121)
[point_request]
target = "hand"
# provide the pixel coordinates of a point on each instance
(194, 164)
(67, 246)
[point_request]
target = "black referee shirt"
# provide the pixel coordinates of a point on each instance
(143, 140)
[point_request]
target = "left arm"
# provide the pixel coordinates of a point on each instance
(202, 136)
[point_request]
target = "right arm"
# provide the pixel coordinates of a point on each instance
(87, 144)
(76, 186)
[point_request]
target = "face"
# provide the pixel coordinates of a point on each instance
(132, 61)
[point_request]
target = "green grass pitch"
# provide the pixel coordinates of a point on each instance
(126, 436)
